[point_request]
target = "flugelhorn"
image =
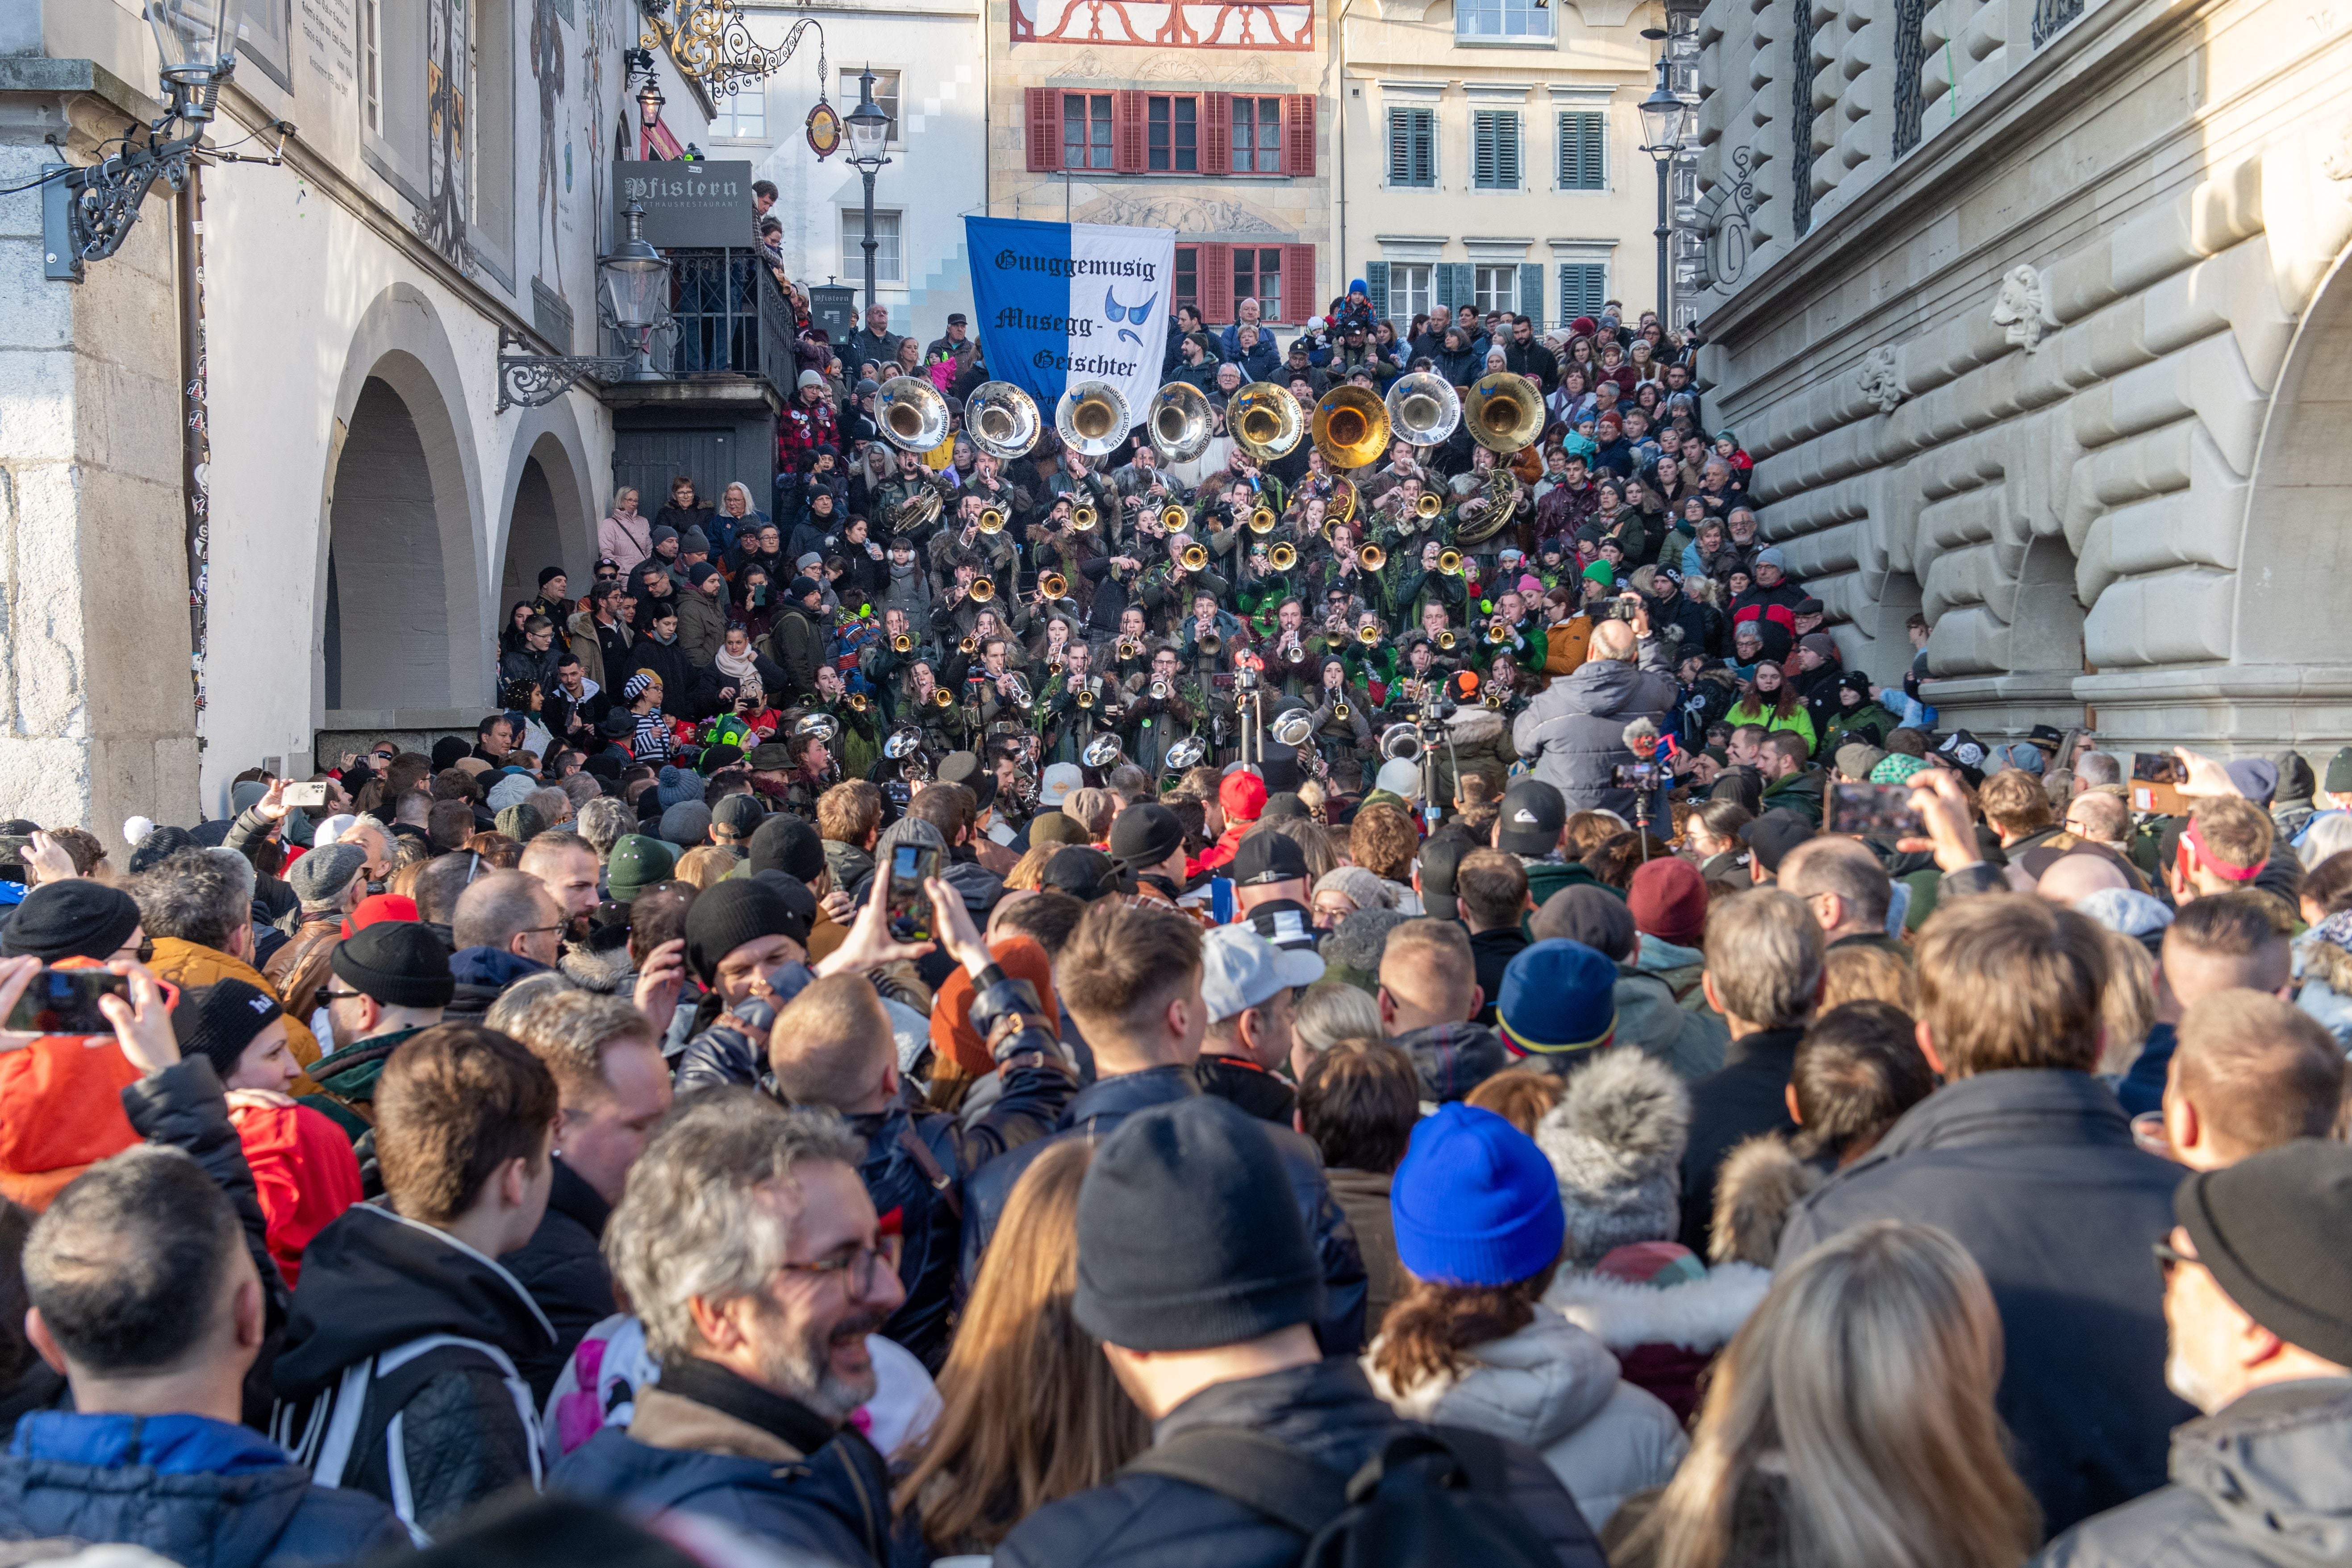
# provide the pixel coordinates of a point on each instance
(1505, 411)
(1194, 558)
(1092, 418)
(911, 413)
(1371, 558)
(1340, 712)
(942, 697)
(1429, 503)
(1177, 419)
(992, 520)
(1445, 640)
(1174, 519)
(1351, 427)
(1262, 520)
(1053, 585)
(1282, 557)
(1082, 517)
(1449, 562)
(1002, 419)
(982, 590)
(1367, 633)
(1423, 408)
(1265, 420)
(969, 647)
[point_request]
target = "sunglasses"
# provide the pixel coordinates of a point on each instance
(2168, 1259)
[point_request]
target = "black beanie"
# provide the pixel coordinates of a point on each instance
(159, 846)
(448, 750)
(76, 919)
(1187, 1236)
(787, 844)
(732, 913)
(401, 964)
(218, 1021)
(2260, 1226)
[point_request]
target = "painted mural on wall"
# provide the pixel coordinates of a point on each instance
(441, 221)
(1210, 24)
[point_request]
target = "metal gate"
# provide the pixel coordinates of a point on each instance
(649, 459)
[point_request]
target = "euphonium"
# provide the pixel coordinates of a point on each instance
(1449, 562)
(1265, 420)
(1185, 753)
(1002, 419)
(1174, 519)
(1092, 418)
(1505, 411)
(912, 414)
(1428, 504)
(982, 590)
(1082, 517)
(1177, 419)
(823, 726)
(1282, 557)
(1194, 558)
(1053, 585)
(1423, 408)
(1262, 520)
(1344, 498)
(1351, 427)
(992, 520)
(903, 643)
(1371, 558)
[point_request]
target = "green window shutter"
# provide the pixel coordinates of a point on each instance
(1583, 287)
(1376, 284)
(1507, 150)
(1399, 147)
(1482, 149)
(1531, 292)
(1425, 147)
(1582, 161)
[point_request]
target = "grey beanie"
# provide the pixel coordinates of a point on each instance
(1615, 1140)
(319, 876)
(1359, 939)
(512, 790)
(687, 824)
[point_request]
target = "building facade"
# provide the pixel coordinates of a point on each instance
(1491, 155)
(1207, 117)
(2032, 313)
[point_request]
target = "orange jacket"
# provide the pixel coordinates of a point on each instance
(60, 1113)
(185, 964)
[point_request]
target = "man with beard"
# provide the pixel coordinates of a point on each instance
(764, 1358)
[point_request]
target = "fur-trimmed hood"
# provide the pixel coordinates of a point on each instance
(1616, 1141)
(1475, 726)
(1700, 1316)
(1758, 1186)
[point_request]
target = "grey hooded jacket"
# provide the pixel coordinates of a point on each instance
(1573, 734)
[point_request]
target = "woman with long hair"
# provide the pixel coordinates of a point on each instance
(1851, 1425)
(1772, 700)
(1031, 1412)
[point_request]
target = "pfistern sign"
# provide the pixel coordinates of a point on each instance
(694, 204)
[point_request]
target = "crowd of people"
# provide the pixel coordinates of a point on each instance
(1664, 1102)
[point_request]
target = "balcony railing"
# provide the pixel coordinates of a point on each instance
(729, 317)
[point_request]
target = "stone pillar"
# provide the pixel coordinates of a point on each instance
(97, 722)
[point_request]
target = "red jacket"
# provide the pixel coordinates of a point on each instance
(800, 431)
(303, 1169)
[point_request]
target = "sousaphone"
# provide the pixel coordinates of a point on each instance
(1178, 421)
(911, 413)
(1351, 428)
(1092, 418)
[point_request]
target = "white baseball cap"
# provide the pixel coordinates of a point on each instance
(1054, 785)
(1241, 970)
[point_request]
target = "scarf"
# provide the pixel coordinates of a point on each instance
(744, 670)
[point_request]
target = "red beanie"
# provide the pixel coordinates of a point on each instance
(1669, 898)
(378, 906)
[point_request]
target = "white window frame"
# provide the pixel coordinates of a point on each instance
(1540, 31)
(853, 245)
(889, 91)
(1408, 296)
(1484, 298)
(756, 94)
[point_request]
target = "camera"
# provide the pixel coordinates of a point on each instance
(1620, 610)
(1637, 776)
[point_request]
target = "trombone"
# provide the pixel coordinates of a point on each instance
(1053, 585)
(1264, 419)
(1282, 557)
(1177, 419)
(1351, 427)
(1092, 419)
(1002, 419)
(912, 414)
(1429, 503)
(1194, 558)
(992, 520)
(1372, 557)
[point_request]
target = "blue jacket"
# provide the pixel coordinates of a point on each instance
(199, 1491)
(1099, 1108)
(483, 973)
(2036, 1174)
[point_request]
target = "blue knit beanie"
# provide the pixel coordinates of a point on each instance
(1558, 997)
(1474, 1202)
(673, 785)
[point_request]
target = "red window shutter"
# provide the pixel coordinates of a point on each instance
(1045, 130)
(1298, 134)
(1129, 111)
(1216, 133)
(1217, 283)
(1300, 298)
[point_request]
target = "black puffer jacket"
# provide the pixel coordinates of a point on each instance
(1101, 1107)
(1327, 1412)
(1573, 732)
(563, 1265)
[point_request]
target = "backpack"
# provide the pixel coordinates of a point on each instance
(1434, 1494)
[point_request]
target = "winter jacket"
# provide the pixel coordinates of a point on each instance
(1327, 1412)
(201, 1492)
(1097, 1110)
(796, 643)
(1692, 1042)
(1747, 1096)
(1553, 1388)
(423, 1334)
(1800, 793)
(304, 1173)
(1264, 1095)
(483, 974)
(701, 627)
(1666, 1331)
(2260, 1483)
(2034, 1172)
(1363, 1197)
(1452, 1059)
(1572, 733)
(706, 1442)
(625, 540)
(186, 965)
(1492, 952)
(562, 1267)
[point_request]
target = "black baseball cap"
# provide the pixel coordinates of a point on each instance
(1533, 815)
(1774, 834)
(1266, 857)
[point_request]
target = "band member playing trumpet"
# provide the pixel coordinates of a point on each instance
(1292, 656)
(1128, 654)
(1161, 709)
(1076, 707)
(965, 541)
(1209, 637)
(1343, 722)
(1425, 586)
(942, 722)
(860, 739)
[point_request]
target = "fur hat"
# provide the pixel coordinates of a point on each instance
(1615, 1140)
(1759, 1185)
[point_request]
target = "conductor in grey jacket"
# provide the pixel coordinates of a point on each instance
(1574, 732)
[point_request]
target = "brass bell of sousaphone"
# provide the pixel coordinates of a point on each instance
(1101, 752)
(1186, 753)
(1092, 418)
(1294, 727)
(1265, 420)
(1423, 408)
(1351, 428)
(1504, 411)
(1177, 419)
(1002, 419)
(911, 413)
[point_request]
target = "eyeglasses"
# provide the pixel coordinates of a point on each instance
(341, 995)
(2170, 1258)
(854, 1267)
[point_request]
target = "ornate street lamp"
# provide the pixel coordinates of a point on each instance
(633, 298)
(869, 132)
(1663, 118)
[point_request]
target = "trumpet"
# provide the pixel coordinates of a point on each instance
(1262, 520)
(1085, 697)
(992, 520)
(1282, 557)
(1340, 712)
(1445, 640)
(1174, 518)
(969, 647)
(1210, 644)
(1020, 695)
(903, 643)
(1493, 700)
(1127, 648)
(1367, 633)
(1177, 418)
(1497, 632)
(1082, 517)
(1194, 558)
(1002, 419)
(857, 703)
(1428, 504)
(1159, 691)
(942, 697)
(1371, 558)
(1449, 562)
(982, 590)
(1053, 585)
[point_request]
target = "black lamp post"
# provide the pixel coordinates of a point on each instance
(869, 130)
(1663, 119)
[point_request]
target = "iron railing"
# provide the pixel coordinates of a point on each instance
(728, 318)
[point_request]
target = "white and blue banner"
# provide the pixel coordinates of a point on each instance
(1059, 303)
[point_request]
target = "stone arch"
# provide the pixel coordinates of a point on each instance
(547, 516)
(2295, 550)
(400, 621)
